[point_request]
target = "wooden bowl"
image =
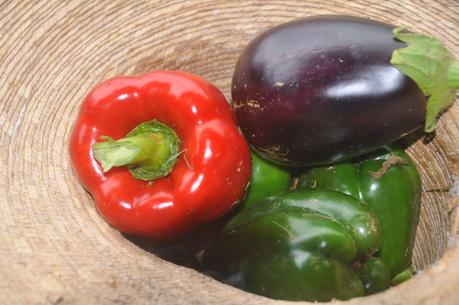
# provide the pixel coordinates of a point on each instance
(55, 249)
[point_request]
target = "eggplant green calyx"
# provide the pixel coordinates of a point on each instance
(149, 151)
(432, 66)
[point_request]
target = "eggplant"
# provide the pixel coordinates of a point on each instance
(326, 89)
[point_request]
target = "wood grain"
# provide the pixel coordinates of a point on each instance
(55, 249)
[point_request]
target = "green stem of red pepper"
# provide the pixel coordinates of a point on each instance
(149, 151)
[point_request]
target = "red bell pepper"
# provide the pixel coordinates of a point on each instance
(179, 159)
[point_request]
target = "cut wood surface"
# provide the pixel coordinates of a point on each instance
(54, 247)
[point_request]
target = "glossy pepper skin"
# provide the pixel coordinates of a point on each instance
(299, 245)
(267, 179)
(393, 195)
(375, 275)
(211, 172)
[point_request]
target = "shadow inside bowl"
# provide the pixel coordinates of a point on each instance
(185, 250)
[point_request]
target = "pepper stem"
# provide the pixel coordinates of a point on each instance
(126, 151)
(403, 276)
(149, 151)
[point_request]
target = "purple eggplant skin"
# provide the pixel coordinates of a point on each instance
(321, 90)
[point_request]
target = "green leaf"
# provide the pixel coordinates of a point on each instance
(426, 60)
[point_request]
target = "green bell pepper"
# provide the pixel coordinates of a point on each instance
(375, 275)
(267, 180)
(389, 184)
(299, 245)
